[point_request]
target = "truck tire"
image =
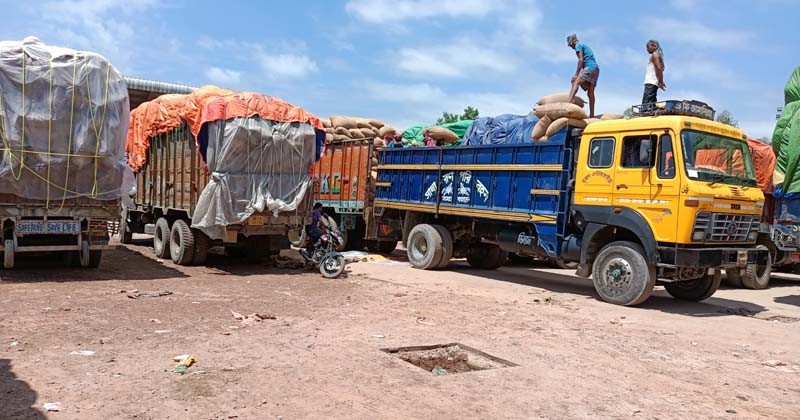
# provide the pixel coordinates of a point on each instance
(8, 254)
(694, 290)
(424, 247)
(201, 245)
(161, 235)
(387, 247)
(486, 256)
(733, 278)
(621, 275)
(447, 246)
(125, 233)
(94, 259)
(181, 243)
(756, 277)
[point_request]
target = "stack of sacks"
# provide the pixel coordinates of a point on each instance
(448, 134)
(339, 129)
(556, 112)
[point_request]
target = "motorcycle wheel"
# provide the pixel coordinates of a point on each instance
(332, 265)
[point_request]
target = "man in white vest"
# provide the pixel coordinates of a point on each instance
(654, 75)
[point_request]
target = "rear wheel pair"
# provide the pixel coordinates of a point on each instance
(756, 276)
(429, 247)
(184, 245)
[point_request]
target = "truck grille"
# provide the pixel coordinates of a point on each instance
(722, 227)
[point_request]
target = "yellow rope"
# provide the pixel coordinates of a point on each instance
(20, 158)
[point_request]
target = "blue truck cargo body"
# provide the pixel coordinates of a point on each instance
(521, 183)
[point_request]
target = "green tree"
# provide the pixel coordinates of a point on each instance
(725, 117)
(470, 113)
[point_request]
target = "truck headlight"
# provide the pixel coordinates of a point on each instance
(698, 235)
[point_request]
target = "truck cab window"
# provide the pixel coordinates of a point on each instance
(666, 158)
(632, 151)
(601, 153)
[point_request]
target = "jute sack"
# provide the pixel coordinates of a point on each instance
(379, 143)
(374, 161)
(340, 138)
(376, 124)
(386, 130)
(606, 117)
(442, 134)
(591, 120)
(326, 122)
(356, 133)
(560, 123)
(540, 139)
(540, 128)
(329, 138)
(368, 132)
(560, 110)
(560, 97)
(346, 122)
(361, 122)
(341, 131)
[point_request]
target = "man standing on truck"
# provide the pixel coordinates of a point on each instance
(587, 72)
(654, 75)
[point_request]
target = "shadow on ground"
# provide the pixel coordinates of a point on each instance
(119, 264)
(661, 300)
(16, 396)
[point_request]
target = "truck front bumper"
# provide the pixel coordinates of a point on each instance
(711, 257)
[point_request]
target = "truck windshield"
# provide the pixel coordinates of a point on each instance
(717, 159)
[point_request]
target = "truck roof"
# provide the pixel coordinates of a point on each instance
(673, 122)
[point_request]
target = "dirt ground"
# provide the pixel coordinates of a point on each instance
(572, 356)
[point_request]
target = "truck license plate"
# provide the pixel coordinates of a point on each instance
(741, 259)
(255, 220)
(40, 227)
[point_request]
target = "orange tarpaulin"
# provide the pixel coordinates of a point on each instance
(763, 162)
(209, 103)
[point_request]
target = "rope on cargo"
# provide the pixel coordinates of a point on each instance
(98, 132)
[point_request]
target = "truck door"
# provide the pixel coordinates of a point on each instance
(595, 177)
(646, 181)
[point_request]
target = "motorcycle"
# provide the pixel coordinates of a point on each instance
(331, 263)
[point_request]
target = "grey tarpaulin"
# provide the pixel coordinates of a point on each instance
(255, 165)
(63, 124)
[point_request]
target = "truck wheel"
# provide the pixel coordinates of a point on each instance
(201, 245)
(694, 290)
(733, 278)
(387, 247)
(756, 277)
(161, 236)
(447, 246)
(181, 243)
(125, 233)
(94, 259)
(8, 254)
(487, 257)
(621, 275)
(424, 247)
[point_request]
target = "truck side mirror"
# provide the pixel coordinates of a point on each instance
(646, 152)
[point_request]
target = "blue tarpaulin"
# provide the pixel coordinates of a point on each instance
(503, 129)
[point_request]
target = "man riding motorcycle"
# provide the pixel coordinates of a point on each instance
(313, 230)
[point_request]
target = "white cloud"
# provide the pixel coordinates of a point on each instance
(223, 76)
(422, 92)
(696, 34)
(454, 60)
(287, 65)
(381, 11)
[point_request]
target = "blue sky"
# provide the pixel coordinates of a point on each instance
(406, 61)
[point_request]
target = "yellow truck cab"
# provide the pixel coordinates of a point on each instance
(670, 185)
